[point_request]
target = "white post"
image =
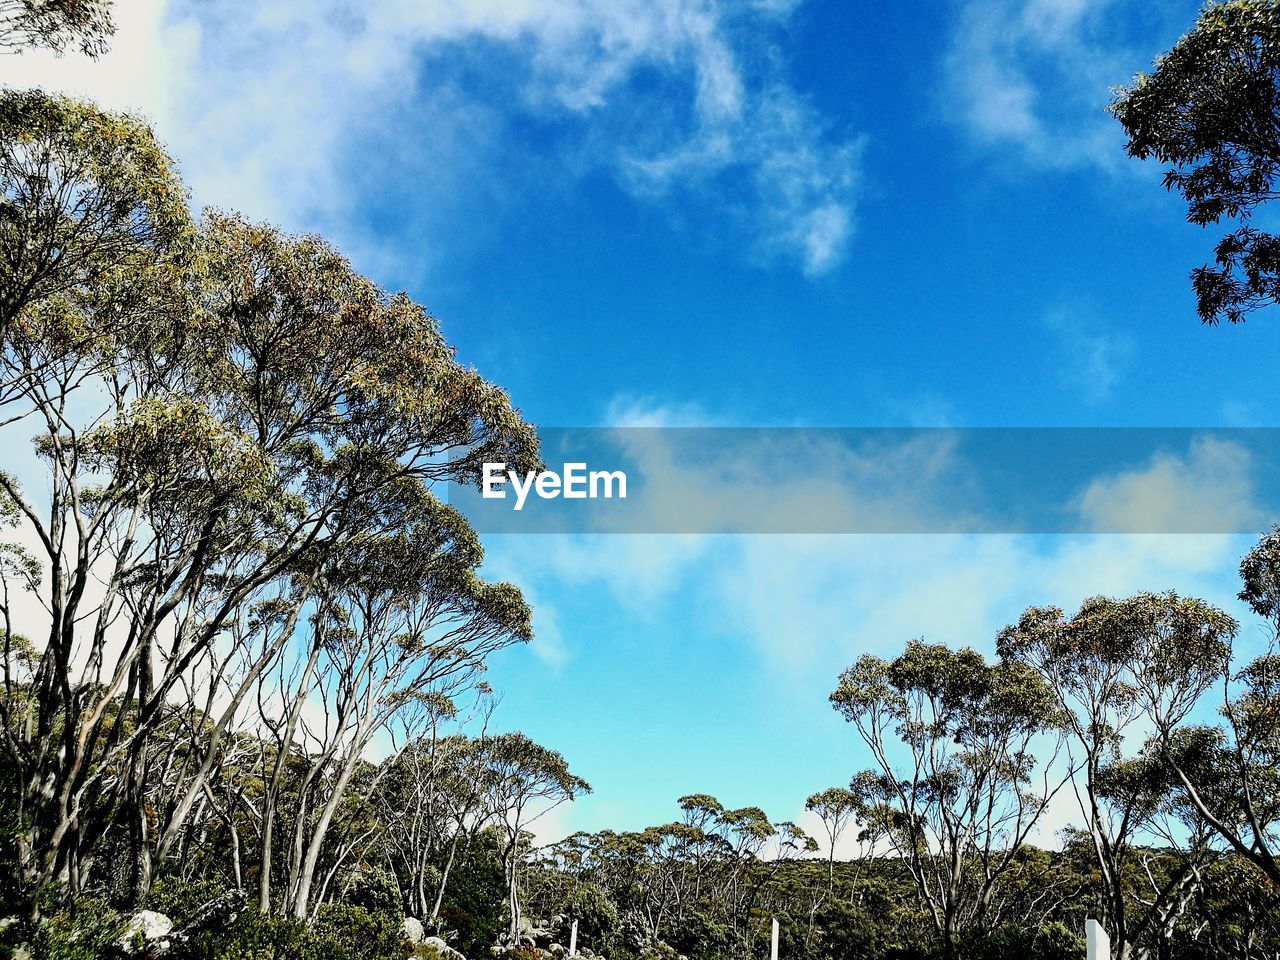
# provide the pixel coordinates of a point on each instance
(773, 948)
(1096, 941)
(573, 939)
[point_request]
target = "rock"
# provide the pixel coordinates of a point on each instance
(151, 928)
(557, 949)
(413, 929)
(445, 951)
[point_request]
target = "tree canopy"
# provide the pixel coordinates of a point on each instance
(57, 25)
(1210, 110)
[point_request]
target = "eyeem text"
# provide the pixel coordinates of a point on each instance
(573, 482)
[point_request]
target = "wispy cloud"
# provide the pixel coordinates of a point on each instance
(307, 112)
(1032, 78)
(800, 184)
(1092, 356)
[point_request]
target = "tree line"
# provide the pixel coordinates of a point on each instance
(1130, 734)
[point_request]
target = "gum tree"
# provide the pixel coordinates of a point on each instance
(218, 414)
(525, 780)
(1210, 110)
(1231, 778)
(835, 807)
(409, 629)
(957, 788)
(1112, 666)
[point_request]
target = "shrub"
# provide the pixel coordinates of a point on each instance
(179, 899)
(90, 930)
(595, 912)
(1052, 941)
(357, 932)
(475, 899)
(376, 891)
(340, 932)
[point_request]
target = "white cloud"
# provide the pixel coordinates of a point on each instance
(299, 112)
(1094, 356)
(802, 183)
(1032, 78)
(629, 411)
(807, 604)
(1209, 488)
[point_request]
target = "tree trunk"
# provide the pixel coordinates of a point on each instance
(444, 877)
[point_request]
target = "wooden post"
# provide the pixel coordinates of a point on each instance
(573, 939)
(1096, 941)
(773, 948)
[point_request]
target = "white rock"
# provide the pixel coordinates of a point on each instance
(414, 931)
(446, 952)
(153, 926)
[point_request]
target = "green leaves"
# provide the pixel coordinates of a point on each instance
(173, 448)
(1260, 575)
(302, 339)
(931, 691)
(524, 769)
(56, 25)
(91, 209)
(1211, 110)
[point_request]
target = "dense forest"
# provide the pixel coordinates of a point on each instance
(245, 711)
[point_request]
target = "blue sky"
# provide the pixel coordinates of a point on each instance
(766, 213)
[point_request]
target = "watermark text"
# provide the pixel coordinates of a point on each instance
(573, 482)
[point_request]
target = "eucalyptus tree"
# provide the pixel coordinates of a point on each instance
(712, 855)
(1210, 109)
(835, 807)
(1231, 773)
(436, 785)
(747, 832)
(57, 25)
(1113, 666)
(702, 812)
(93, 223)
(218, 414)
(968, 790)
(524, 780)
(410, 628)
(461, 785)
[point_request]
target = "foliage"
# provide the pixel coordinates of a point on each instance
(375, 890)
(339, 933)
(1209, 109)
(180, 899)
(56, 25)
(473, 906)
(970, 788)
(251, 474)
(87, 931)
(1051, 941)
(262, 675)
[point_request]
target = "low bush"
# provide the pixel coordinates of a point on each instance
(340, 932)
